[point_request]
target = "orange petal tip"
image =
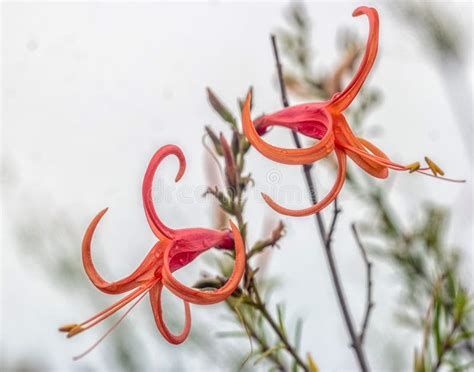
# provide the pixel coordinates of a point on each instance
(103, 211)
(360, 11)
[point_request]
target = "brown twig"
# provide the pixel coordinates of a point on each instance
(369, 303)
(356, 344)
(332, 226)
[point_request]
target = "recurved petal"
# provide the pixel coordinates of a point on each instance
(342, 100)
(207, 297)
(138, 277)
(159, 228)
(341, 176)
(155, 299)
(283, 155)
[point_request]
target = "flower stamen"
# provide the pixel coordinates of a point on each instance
(109, 331)
(67, 327)
(413, 167)
(434, 167)
(75, 330)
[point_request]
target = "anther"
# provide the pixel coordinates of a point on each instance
(67, 327)
(413, 167)
(434, 167)
(75, 330)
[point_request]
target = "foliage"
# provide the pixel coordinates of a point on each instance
(266, 329)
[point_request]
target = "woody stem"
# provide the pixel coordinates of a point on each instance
(326, 240)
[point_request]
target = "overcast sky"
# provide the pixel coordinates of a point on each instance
(91, 90)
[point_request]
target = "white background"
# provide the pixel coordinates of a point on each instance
(91, 90)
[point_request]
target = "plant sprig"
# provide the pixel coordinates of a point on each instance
(250, 310)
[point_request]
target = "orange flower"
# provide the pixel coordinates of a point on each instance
(175, 249)
(326, 122)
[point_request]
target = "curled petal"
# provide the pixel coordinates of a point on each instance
(341, 176)
(282, 155)
(158, 227)
(342, 100)
(207, 297)
(140, 275)
(155, 299)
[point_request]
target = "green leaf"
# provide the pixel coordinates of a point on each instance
(215, 140)
(281, 318)
(436, 328)
(242, 101)
(235, 144)
(268, 352)
(465, 335)
(298, 333)
(297, 341)
(460, 302)
(231, 334)
(221, 109)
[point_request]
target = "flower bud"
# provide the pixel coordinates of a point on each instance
(230, 169)
(219, 107)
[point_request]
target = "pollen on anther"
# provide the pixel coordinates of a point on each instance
(75, 330)
(434, 167)
(413, 167)
(67, 327)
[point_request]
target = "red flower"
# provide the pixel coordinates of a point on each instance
(326, 122)
(175, 249)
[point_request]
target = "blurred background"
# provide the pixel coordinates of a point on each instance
(90, 91)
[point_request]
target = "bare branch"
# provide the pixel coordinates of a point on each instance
(332, 227)
(369, 303)
(361, 358)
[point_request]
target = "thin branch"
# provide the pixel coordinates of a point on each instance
(332, 226)
(369, 303)
(356, 344)
(281, 80)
